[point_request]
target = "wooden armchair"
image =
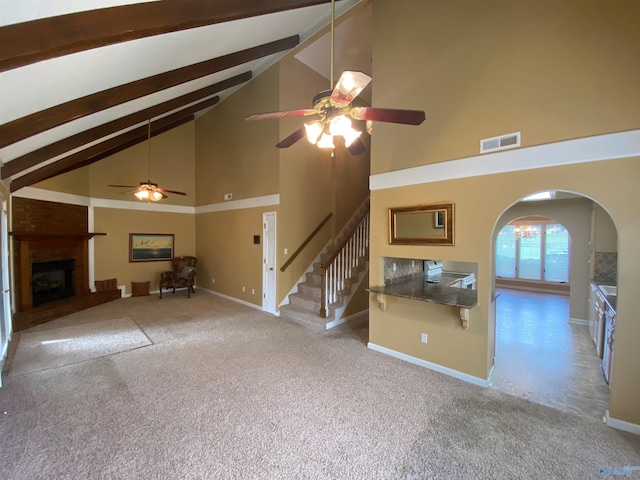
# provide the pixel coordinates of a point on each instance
(182, 275)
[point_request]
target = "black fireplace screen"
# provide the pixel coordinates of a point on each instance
(51, 281)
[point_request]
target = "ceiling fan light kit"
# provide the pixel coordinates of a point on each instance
(149, 194)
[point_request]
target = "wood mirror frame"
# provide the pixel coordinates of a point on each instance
(422, 224)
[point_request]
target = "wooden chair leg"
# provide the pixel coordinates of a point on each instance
(160, 291)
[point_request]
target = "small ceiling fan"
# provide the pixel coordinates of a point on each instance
(333, 111)
(148, 191)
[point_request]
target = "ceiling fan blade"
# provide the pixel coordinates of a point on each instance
(287, 113)
(349, 87)
(293, 138)
(389, 115)
(357, 147)
(129, 191)
(123, 186)
(163, 190)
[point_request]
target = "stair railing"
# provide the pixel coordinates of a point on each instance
(342, 266)
(306, 242)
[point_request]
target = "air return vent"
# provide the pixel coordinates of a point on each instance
(510, 140)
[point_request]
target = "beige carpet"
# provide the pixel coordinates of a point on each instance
(62, 346)
(228, 392)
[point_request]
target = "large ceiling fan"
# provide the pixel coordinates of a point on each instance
(333, 111)
(148, 191)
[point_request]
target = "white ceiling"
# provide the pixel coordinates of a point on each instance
(41, 85)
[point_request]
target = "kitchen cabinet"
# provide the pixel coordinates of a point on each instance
(602, 323)
(597, 324)
(609, 337)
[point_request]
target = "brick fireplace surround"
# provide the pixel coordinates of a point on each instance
(45, 232)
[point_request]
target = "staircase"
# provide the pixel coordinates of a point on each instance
(326, 289)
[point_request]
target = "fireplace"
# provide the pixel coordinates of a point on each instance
(51, 281)
(51, 262)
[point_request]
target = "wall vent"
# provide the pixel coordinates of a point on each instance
(510, 140)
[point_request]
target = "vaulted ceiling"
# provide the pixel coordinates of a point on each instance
(80, 79)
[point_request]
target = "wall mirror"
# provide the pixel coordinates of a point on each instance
(422, 224)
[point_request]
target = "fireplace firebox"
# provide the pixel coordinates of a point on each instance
(51, 281)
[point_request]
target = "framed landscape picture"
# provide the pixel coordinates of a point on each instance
(150, 247)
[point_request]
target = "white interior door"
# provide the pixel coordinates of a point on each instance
(269, 262)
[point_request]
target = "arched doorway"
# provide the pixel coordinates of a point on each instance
(543, 350)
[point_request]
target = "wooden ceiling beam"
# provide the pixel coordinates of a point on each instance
(60, 147)
(42, 39)
(43, 120)
(108, 147)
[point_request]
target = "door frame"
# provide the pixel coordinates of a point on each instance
(269, 275)
(5, 285)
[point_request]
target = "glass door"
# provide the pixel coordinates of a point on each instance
(533, 252)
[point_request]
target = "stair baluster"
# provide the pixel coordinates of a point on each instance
(342, 266)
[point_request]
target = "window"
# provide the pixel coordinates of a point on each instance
(537, 251)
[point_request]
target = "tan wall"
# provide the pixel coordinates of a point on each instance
(172, 167)
(112, 250)
(575, 216)
(399, 327)
(233, 155)
(360, 300)
(75, 182)
(606, 237)
(226, 252)
(551, 70)
(351, 183)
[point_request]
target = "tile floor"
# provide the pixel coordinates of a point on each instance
(542, 357)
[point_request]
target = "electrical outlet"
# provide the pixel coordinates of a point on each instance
(286, 251)
(228, 196)
(253, 291)
(213, 280)
(243, 288)
(423, 338)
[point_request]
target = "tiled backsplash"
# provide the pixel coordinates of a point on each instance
(605, 268)
(404, 266)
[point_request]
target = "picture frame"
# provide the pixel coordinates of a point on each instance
(422, 225)
(150, 247)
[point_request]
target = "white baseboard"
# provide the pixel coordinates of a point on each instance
(578, 321)
(489, 384)
(621, 424)
(233, 299)
(431, 366)
(342, 320)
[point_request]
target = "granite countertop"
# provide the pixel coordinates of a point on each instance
(416, 287)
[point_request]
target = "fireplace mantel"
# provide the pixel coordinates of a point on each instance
(52, 236)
